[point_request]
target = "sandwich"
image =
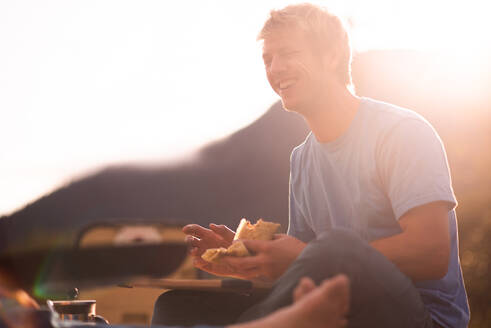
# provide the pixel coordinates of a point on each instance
(262, 230)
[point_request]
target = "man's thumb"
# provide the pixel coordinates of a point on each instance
(255, 246)
(279, 236)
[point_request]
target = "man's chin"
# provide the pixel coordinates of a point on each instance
(289, 107)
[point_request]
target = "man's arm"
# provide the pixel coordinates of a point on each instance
(422, 250)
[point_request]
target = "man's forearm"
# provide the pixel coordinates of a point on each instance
(422, 249)
(418, 259)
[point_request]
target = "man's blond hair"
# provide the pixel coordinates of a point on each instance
(326, 30)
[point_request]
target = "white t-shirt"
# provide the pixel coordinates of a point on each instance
(388, 161)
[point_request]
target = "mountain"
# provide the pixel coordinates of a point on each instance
(244, 175)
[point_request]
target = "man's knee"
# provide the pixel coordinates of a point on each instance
(342, 239)
(377, 285)
(334, 247)
(341, 251)
(171, 298)
(183, 307)
(163, 306)
(172, 307)
(163, 300)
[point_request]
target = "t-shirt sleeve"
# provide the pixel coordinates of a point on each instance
(297, 226)
(413, 167)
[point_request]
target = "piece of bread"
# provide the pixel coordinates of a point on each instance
(213, 254)
(262, 230)
(237, 249)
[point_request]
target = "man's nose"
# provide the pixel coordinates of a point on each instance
(278, 65)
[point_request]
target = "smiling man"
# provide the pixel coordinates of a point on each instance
(370, 192)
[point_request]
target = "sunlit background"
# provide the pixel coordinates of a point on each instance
(84, 84)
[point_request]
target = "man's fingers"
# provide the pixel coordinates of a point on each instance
(220, 269)
(242, 264)
(247, 267)
(195, 230)
(199, 263)
(223, 231)
(195, 245)
(192, 241)
(204, 233)
(221, 236)
(251, 273)
(195, 251)
(256, 246)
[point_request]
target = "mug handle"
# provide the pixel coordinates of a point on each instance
(98, 319)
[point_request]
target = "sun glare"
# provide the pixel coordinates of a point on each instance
(139, 82)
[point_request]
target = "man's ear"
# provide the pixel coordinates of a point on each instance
(330, 59)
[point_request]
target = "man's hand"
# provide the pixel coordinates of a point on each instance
(219, 269)
(270, 259)
(199, 239)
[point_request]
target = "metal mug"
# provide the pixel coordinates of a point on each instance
(80, 310)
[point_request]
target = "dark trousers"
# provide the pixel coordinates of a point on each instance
(381, 296)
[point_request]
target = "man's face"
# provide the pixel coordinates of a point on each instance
(293, 71)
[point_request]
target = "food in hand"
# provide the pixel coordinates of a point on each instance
(262, 230)
(213, 254)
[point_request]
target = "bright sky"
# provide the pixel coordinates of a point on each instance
(84, 84)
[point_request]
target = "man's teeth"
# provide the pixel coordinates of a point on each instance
(286, 84)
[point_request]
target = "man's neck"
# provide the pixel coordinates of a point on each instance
(332, 115)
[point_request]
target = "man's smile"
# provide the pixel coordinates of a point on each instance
(285, 84)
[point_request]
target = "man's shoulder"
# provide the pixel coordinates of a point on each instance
(385, 119)
(301, 148)
(301, 154)
(389, 113)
